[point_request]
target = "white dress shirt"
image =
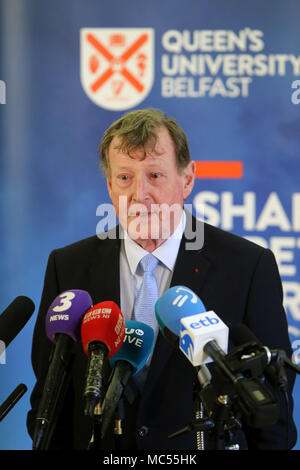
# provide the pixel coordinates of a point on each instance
(130, 256)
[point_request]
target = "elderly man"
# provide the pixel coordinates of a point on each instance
(148, 169)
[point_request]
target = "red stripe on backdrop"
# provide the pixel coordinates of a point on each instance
(219, 169)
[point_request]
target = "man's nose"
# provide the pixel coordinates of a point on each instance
(140, 188)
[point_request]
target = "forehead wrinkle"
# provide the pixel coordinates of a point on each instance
(151, 159)
(139, 153)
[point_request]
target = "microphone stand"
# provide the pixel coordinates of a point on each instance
(97, 424)
(118, 430)
(96, 442)
(226, 424)
(221, 423)
(218, 403)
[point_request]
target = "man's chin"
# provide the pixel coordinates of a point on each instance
(143, 234)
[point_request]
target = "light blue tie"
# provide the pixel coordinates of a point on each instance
(144, 308)
(148, 294)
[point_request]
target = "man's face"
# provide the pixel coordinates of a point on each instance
(143, 190)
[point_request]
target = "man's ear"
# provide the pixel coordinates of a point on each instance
(108, 183)
(189, 178)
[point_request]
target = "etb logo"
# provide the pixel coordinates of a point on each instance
(204, 322)
(184, 294)
(117, 65)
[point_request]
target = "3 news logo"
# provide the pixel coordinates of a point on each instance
(2, 92)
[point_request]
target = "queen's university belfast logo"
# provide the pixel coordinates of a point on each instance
(117, 65)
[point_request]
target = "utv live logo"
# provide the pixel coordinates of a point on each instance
(2, 92)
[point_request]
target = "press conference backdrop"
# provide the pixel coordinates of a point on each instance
(228, 70)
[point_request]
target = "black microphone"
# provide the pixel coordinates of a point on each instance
(11, 401)
(128, 361)
(102, 334)
(276, 359)
(12, 321)
(62, 323)
(14, 318)
(256, 403)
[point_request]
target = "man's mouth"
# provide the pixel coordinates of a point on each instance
(139, 214)
(142, 211)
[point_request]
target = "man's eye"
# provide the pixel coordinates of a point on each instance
(124, 177)
(155, 175)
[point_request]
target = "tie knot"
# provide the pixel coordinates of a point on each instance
(148, 263)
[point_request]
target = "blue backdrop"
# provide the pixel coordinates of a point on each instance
(227, 70)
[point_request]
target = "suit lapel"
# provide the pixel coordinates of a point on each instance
(105, 270)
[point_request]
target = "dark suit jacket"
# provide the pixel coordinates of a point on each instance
(237, 279)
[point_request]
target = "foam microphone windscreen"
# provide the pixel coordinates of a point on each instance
(103, 323)
(14, 318)
(137, 345)
(176, 303)
(65, 313)
(241, 334)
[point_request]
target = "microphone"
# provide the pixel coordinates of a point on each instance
(274, 359)
(241, 334)
(204, 337)
(176, 303)
(13, 398)
(62, 328)
(102, 334)
(12, 321)
(14, 318)
(246, 341)
(127, 362)
(183, 319)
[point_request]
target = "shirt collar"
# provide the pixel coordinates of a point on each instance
(166, 252)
